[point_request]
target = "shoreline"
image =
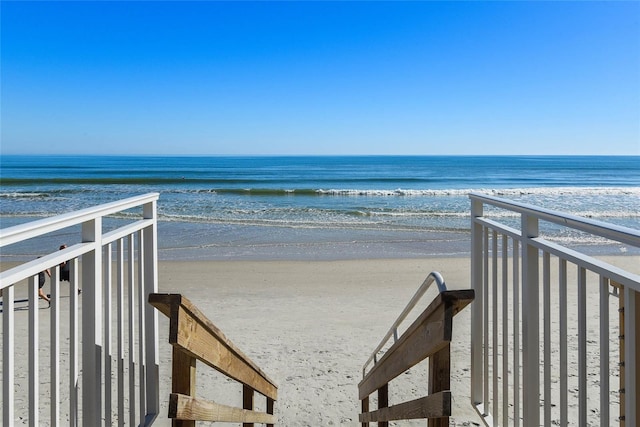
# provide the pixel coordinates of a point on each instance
(186, 241)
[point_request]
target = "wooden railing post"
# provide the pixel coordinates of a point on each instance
(247, 401)
(429, 336)
(270, 403)
(183, 380)
(365, 409)
(383, 402)
(440, 379)
(194, 337)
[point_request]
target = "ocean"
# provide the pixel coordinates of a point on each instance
(318, 207)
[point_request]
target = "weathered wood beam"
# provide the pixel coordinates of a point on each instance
(429, 333)
(189, 408)
(432, 406)
(193, 332)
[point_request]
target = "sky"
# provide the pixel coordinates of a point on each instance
(320, 78)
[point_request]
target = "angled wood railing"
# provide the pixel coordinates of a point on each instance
(194, 337)
(429, 336)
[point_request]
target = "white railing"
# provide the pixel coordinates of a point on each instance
(545, 326)
(96, 367)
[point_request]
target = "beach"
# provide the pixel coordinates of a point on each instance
(310, 326)
(305, 262)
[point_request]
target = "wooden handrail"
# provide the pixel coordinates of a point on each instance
(195, 337)
(429, 336)
(433, 277)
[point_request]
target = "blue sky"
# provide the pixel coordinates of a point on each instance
(244, 78)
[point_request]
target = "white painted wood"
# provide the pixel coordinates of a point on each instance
(150, 234)
(631, 397)
(546, 291)
(32, 268)
(54, 350)
(485, 309)
(131, 319)
(121, 324)
(485, 414)
(96, 311)
(108, 334)
(625, 278)
(516, 333)
(126, 230)
(34, 378)
(141, 331)
(604, 351)
(530, 324)
(501, 228)
(8, 355)
(598, 228)
(18, 233)
(532, 337)
(92, 325)
(74, 342)
(582, 346)
(494, 319)
(564, 392)
(476, 307)
(505, 330)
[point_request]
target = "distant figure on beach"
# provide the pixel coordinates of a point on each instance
(41, 282)
(64, 269)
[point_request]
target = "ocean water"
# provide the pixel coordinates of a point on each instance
(319, 207)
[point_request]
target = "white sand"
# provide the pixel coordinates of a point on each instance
(310, 326)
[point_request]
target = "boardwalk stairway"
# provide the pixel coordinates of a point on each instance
(195, 337)
(429, 336)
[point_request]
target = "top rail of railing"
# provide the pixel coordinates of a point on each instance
(18, 233)
(610, 231)
(434, 276)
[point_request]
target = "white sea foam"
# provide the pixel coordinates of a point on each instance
(418, 214)
(27, 195)
(543, 191)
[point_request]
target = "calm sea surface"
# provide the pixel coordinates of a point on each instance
(318, 207)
